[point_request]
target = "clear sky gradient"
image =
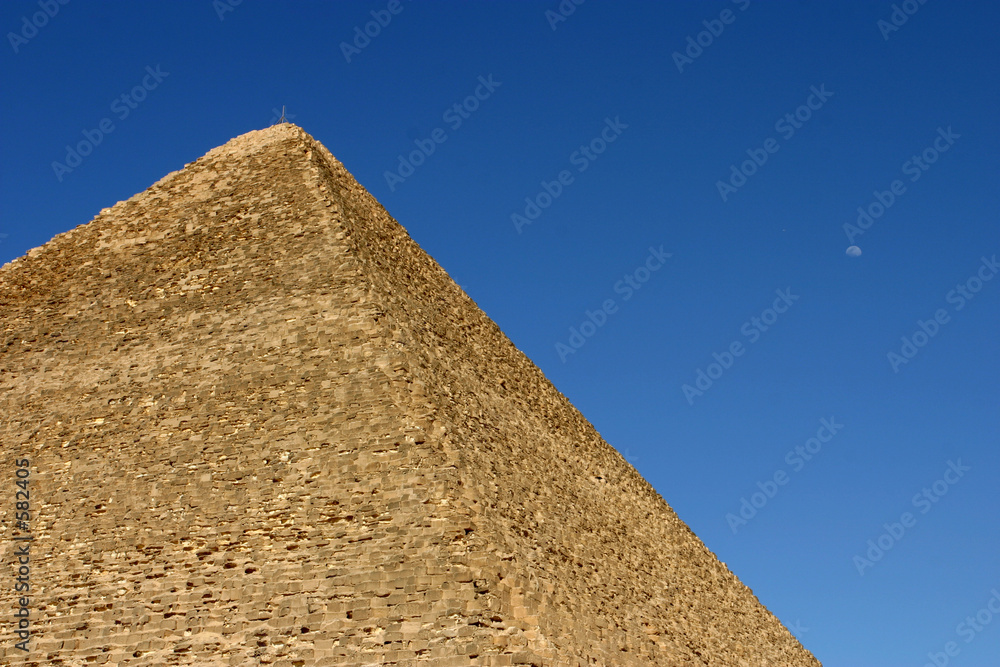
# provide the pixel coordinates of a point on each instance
(680, 175)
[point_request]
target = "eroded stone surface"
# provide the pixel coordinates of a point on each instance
(266, 428)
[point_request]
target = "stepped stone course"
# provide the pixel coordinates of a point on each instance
(265, 427)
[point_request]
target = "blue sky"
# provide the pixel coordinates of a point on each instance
(806, 111)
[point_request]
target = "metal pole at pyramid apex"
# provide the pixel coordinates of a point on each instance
(283, 117)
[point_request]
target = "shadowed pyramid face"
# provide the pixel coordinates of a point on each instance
(263, 425)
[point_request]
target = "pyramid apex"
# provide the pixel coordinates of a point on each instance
(257, 140)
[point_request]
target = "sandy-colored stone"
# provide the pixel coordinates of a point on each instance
(266, 428)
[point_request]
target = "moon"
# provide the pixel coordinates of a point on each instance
(854, 251)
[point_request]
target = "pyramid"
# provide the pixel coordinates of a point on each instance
(260, 425)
